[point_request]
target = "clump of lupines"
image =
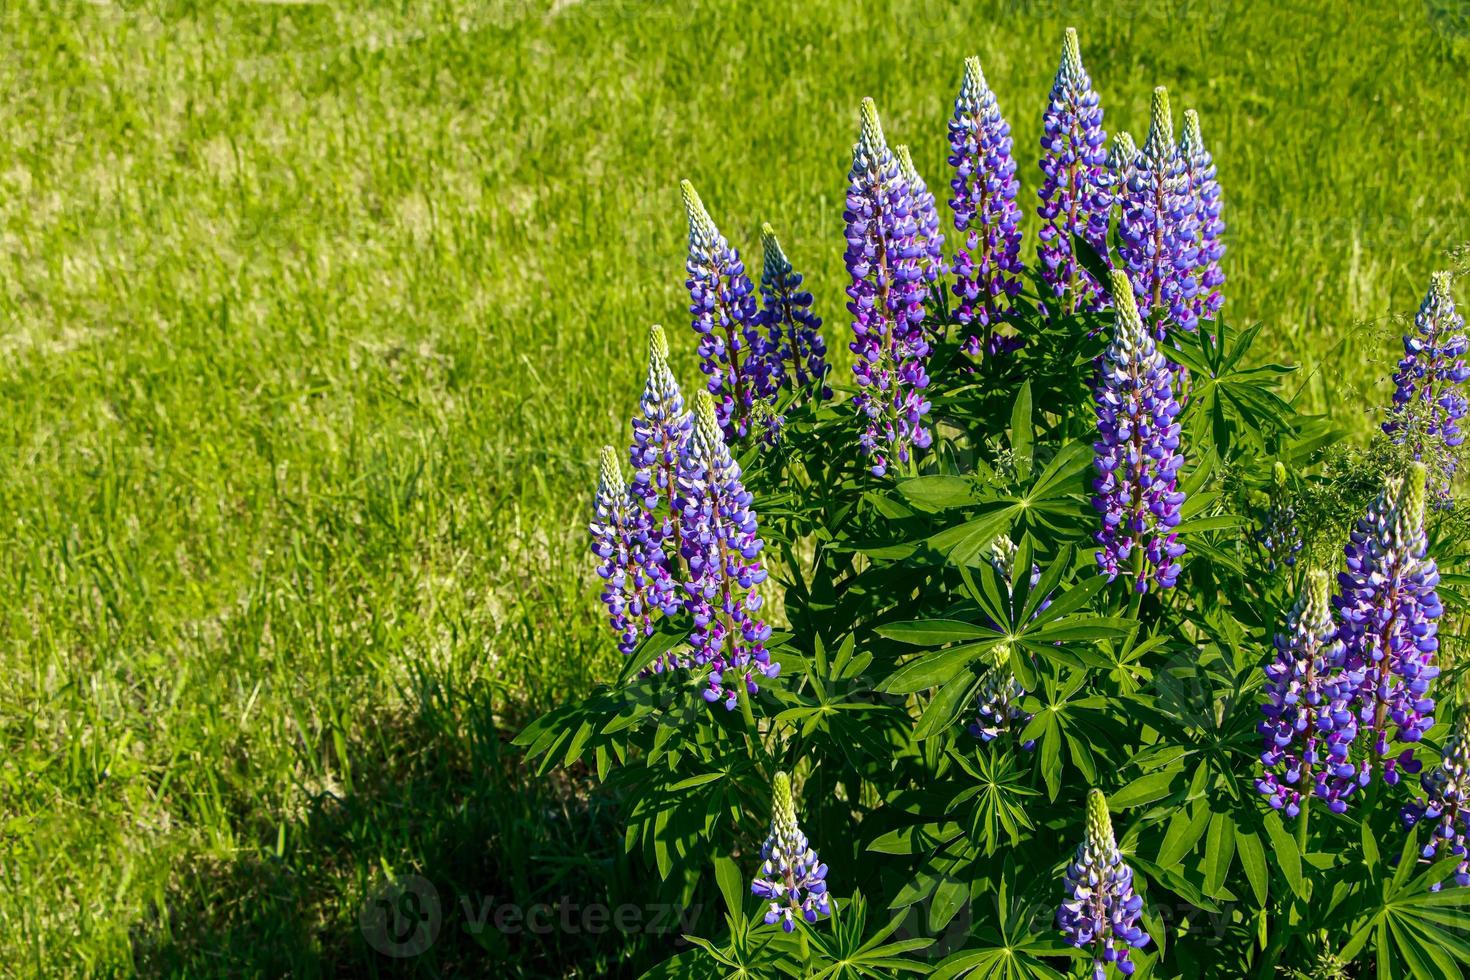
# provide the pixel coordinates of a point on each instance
(1429, 399)
(1075, 199)
(791, 877)
(733, 349)
(793, 329)
(926, 216)
(987, 265)
(1387, 608)
(1138, 456)
(1280, 533)
(1204, 190)
(1309, 725)
(661, 432)
(1157, 229)
(884, 251)
(1446, 802)
(721, 546)
(1101, 909)
(638, 585)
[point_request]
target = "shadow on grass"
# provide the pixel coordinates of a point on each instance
(495, 873)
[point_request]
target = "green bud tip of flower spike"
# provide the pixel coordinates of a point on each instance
(658, 344)
(1071, 53)
(906, 163)
(1160, 125)
(774, 258)
(974, 77)
(1278, 473)
(1099, 823)
(1124, 149)
(706, 422)
(1122, 289)
(1411, 495)
(701, 225)
(1439, 288)
(1315, 596)
(873, 142)
(1190, 141)
(611, 472)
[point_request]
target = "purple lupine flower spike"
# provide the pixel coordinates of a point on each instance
(1309, 726)
(721, 546)
(793, 328)
(1138, 456)
(1280, 533)
(637, 584)
(1387, 608)
(884, 252)
(1204, 188)
(732, 347)
(660, 433)
(1101, 910)
(1429, 397)
(926, 215)
(791, 876)
(1074, 195)
(1156, 228)
(1445, 806)
(987, 264)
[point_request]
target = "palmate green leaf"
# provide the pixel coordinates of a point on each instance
(1004, 945)
(843, 949)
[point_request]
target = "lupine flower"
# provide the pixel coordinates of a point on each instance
(661, 432)
(732, 347)
(637, 582)
(1429, 400)
(721, 546)
(791, 877)
(1387, 607)
(793, 329)
(1156, 228)
(1309, 726)
(1101, 909)
(1074, 194)
(1446, 802)
(884, 249)
(926, 216)
(1280, 533)
(999, 710)
(1199, 175)
(987, 265)
(1138, 455)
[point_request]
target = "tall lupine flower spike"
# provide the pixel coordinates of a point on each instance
(1101, 909)
(637, 582)
(987, 264)
(660, 433)
(1280, 533)
(721, 545)
(794, 330)
(1309, 725)
(732, 348)
(926, 215)
(1429, 398)
(791, 877)
(1075, 199)
(1204, 189)
(1156, 229)
(884, 249)
(1446, 803)
(1138, 456)
(1387, 607)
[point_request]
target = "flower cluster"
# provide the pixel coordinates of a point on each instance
(926, 216)
(1075, 199)
(1137, 453)
(1204, 191)
(1280, 533)
(793, 329)
(1446, 802)
(791, 877)
(1309, 726)
(1101, 909)
(1429, 398)
(987, 264)
(1157, 228)
(883, 257)
(733, 349)
(1387, 607)
(661, 432)
(637, 583)
(721, 546)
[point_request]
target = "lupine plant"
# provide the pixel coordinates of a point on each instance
(1082, 668)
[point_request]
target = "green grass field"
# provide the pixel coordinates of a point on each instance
(315, 315)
